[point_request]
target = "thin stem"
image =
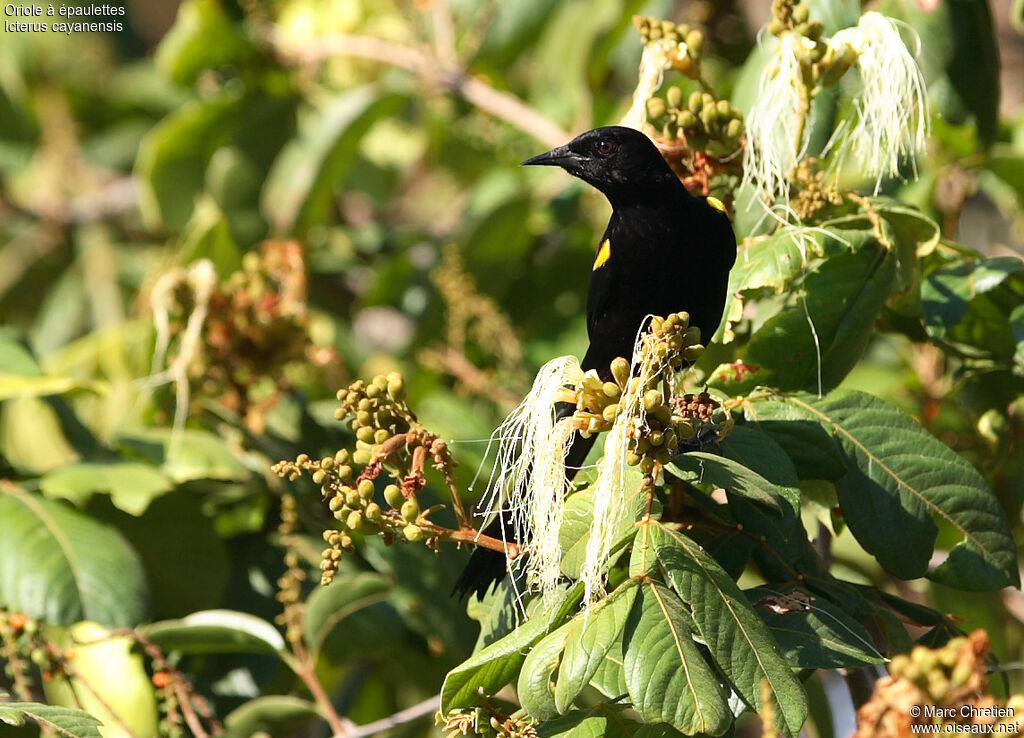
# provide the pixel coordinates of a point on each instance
(407, 715)
(431, 69)
(306, 672)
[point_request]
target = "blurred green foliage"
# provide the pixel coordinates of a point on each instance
(377, 135)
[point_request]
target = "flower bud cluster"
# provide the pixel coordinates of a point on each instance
(938, 686)
(704, 123)
(22, 641)
(676, 343)
(289, 584)
(388, 438)
(478, 721)
(691, 41)
(822, 64)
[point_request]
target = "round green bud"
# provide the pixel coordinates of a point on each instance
(302, 459)
(381, 382)
(394, 495)
(354, 521)
(692, 353)
(734, 130)
(656, 108)
(632, 458)
(410, 510)
(695, 42)
(373, 391)
(696, 102)
(362, 456)
(653, 399)
(396, 389)
(687, 120)
(373, 513)
(319, 476)
(413, 533)
(344, 472)
(342, 394)
(801, 14)
(365, 489)
(381, 435)
(656, 437)
(620, 370)
(342, 457)
(365, 405)
(674, 97)
(352, 498)
(611, 390)
(365, 433)
(363, 417)
(610, 412)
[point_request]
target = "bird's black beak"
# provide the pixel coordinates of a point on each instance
(557, 157)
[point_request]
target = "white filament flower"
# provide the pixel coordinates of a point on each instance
(892, 108)
(776, 134)
(610, 493)
(529, 483)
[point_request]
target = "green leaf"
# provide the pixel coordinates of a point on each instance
(330, 607)
(131, 485)
(816, 341)
(586, 640)
(497, 664)
(216, 631)
(61, 566)
(738, 640)
(202, 37)
(758, 452)
(704, 468)
(172, 159)
(187, 455)
(603, 721)
(578, 521)
(610, 678)
(271, 715)
(898, 478)
(811, 632)
(968, 305)
(16, 385)
(64, 721)
(772, 264)
(806, 443)
(302, 180)
(668, 679)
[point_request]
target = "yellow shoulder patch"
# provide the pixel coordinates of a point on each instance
(603, 254)
(717, 204)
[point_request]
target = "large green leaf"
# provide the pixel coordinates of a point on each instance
(497, 664)
(813, 633)
(739, 641)
(815, 342)
(668, 679)
(302, 180)
(772, 264)
(899, 478)
(131, 485)
(187, 455)
(61, 566)
(758, 452)
(216, 631)
(578, 522)
(63, 721)
(704, 468)
(805, 442)
(583, 643)
(328, 627)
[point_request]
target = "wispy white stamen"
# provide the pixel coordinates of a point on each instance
(776, 137)
(892, 107)
(657, 57)
(528, 483)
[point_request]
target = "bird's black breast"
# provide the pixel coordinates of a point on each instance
(664, 257)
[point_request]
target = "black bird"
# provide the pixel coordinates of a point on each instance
(664, 251)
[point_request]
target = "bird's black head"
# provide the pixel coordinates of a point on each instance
(620, 162)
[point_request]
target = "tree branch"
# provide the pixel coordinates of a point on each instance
(431, 69)
(407, 715)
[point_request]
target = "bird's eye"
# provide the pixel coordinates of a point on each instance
(604, 147)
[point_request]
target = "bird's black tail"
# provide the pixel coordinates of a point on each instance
(487, 567)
